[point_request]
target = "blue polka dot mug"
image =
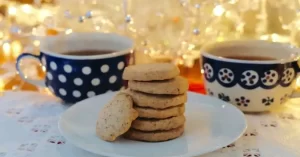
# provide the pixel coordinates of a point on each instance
(76, 77)
(253, 85)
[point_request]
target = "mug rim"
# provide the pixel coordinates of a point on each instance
(91, 57)
(262, 42)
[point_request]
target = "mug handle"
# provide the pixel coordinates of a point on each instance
(40, 83)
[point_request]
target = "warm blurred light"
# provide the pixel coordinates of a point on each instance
(2, 84)
(218, 10)
(97, 28)
(1, 35)
(68, 31)
(94, 2)
(180, 62)
(275, 38)
(26, 8)
(232, 1)
(220, 38)
(202, 71)
(36, 43)
(6, 49)
(15, 87)
(44, 13)
(16, 48)
(12, 11)
(44, 68)
(298, 82)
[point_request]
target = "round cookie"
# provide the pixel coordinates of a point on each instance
(155, 136)
(158, 124)
(116, 117)
(150, 72)
(145, 112)
(177, 85)
(156, 101)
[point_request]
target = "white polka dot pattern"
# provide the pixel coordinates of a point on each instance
(68, 68)
(75, 80)
(95, 82)
(121, 65)
(53, 66)
(76, 94)
(49, 76)
(104, 68)
(62, 92)
(78, 81)
(91, 94)
(62, 78)
(44, 63)
(112, 79)
(86, 70)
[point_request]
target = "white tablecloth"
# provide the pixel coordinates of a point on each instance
(28, 128)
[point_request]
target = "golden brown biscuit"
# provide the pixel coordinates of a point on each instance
(146, 112)
(158, 124)
(155, 136)
(150, 72)
(175, 86)
(156, 101)
(116, 117)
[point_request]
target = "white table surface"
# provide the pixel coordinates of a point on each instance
(28, 128)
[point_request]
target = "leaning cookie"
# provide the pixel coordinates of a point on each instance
(146, 112)
(116, 117)
(156, 101)
(150, 72)
(177, 85)
(155, 136)
(158, 124)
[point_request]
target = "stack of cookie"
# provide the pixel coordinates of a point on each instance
(159, 96)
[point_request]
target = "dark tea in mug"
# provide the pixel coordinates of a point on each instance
(251, 58)
(88, 52)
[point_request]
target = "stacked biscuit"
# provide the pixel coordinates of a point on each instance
(159, 96)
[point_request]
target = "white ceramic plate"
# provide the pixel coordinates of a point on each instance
(211, 124)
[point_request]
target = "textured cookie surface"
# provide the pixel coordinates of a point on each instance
(146, 112)
(177, 85)
(158, 124)
(156, 101)
(155, 136)
(150, 72)
(116, 117)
